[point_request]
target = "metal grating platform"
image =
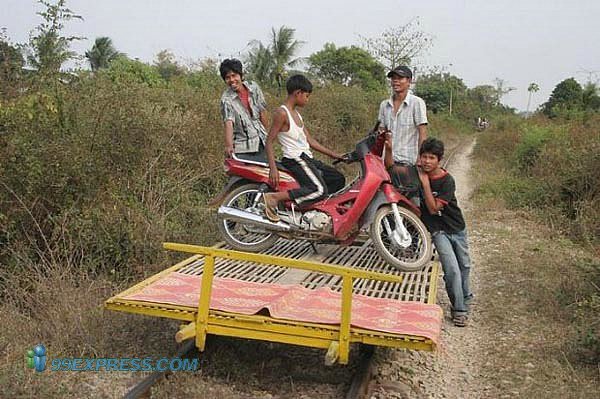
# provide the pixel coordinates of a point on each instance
(415, 287)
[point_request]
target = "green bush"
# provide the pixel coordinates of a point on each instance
(125, 70)
(530, 146)
(551, 167)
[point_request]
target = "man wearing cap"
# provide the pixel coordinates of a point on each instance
(405, 116)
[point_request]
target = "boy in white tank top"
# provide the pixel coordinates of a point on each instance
(315, 178)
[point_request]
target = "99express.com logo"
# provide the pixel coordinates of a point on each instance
(36, 358)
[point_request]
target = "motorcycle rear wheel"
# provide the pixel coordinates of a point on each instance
(243, 237)
(410, 259)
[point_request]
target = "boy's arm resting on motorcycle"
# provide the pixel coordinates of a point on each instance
(276, 126)
(432, 205)
(315, 145)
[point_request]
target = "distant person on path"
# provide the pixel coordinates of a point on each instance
(444, 219)
(316, 179)
(482, 123)
(243, 108)
(405, 115)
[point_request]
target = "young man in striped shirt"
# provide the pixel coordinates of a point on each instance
(405, 116)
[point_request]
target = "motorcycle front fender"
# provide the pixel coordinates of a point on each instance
(395, 197)
(367, 217)
(387, 195)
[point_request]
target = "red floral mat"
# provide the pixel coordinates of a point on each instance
(294, 302)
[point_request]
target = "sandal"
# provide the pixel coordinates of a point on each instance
(460, 320)
(270, 211)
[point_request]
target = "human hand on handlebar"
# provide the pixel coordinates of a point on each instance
(346, 158)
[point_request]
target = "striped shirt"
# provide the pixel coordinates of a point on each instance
(403, 125)
(248, 130)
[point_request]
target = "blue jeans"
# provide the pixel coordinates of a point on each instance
(453, 251)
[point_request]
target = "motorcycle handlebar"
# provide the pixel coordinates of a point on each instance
(351, 157)
(346, 158)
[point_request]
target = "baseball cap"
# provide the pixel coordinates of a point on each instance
(402, 71)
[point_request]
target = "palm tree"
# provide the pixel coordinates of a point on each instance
(283, 48)
(259, 62)
(102, 53)
(269, 63)
(533, 88)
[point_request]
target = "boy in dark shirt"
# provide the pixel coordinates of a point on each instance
(444, 219)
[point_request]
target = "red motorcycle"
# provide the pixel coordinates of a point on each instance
(370, 201)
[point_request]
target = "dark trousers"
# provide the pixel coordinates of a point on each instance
(258, 156)
(316, 179)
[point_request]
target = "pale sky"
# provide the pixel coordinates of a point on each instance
(520, 41)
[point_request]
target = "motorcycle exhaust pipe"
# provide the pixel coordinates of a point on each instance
(238, 215)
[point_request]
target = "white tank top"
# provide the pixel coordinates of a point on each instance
(294, 142)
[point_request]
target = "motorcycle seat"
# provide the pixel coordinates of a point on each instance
(259, 161)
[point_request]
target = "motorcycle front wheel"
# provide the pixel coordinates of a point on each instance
(240, 236)
(410, 258)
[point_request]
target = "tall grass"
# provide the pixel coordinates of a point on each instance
(550, 169)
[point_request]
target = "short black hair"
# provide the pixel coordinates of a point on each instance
(432, 146)
(298, 82)
(231, 65)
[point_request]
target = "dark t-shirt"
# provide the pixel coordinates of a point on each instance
(449, 218)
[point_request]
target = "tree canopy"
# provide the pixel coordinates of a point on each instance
(167, 66)
(48, 49)
(436, 89)
(399, 45)
(567, 95)
(349, 66)
(11, 60)
(102, 53)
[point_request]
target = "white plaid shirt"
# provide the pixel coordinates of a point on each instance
(403, 125)
(248, 131)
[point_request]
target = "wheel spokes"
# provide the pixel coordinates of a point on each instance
(240, 232)
(413, 251)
